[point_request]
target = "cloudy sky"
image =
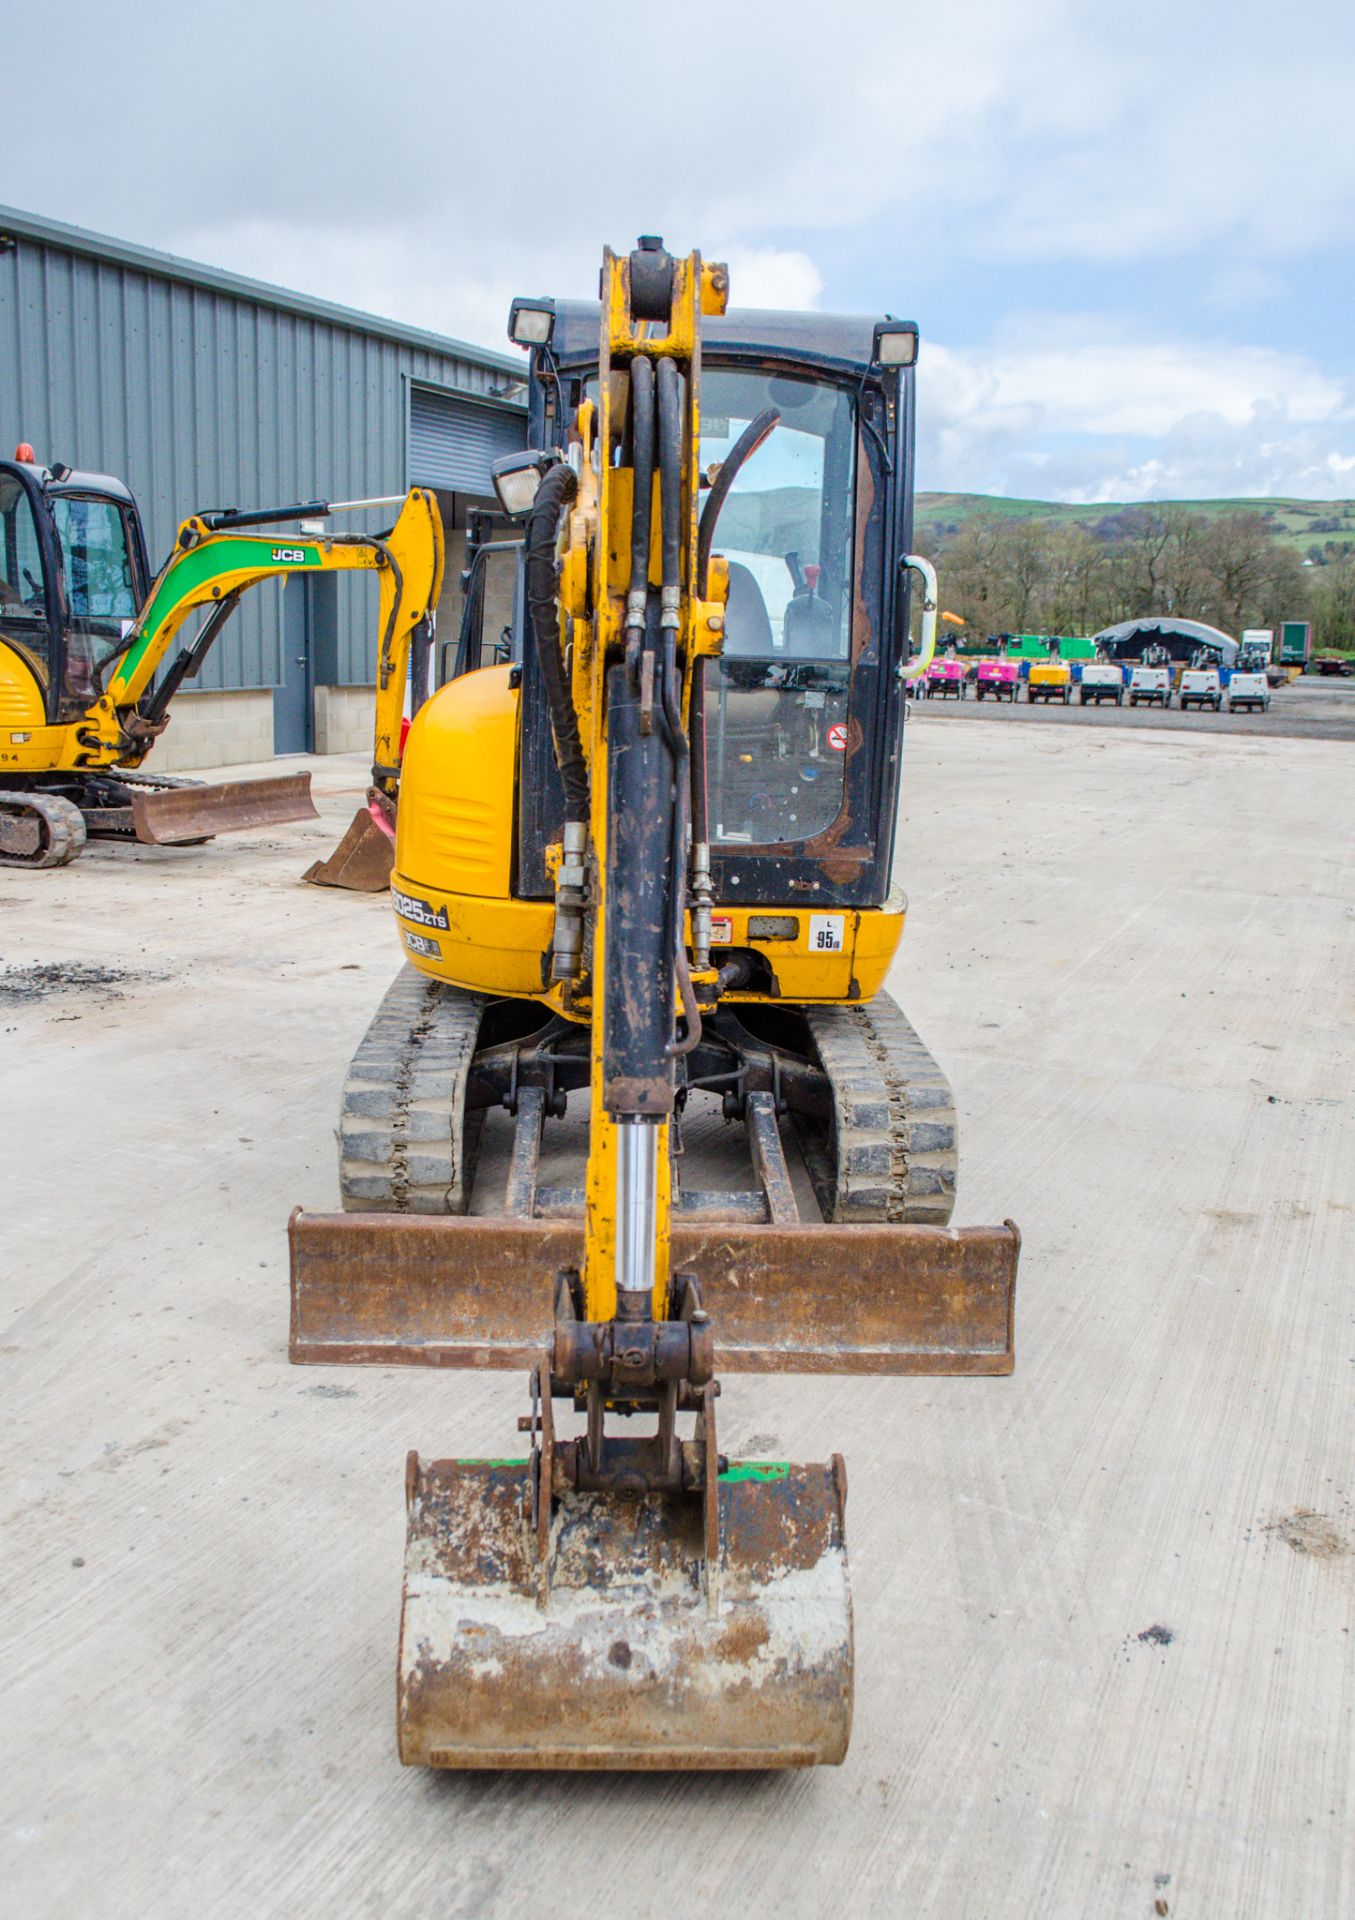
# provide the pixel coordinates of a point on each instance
(1128, 233)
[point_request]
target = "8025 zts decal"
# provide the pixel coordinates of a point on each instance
(410, 908)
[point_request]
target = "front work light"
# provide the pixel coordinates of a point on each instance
(516, 478)
(531, 322)
(895, 343)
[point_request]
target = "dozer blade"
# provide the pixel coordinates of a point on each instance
(466, 1292)
(176, 814)
(612, 1650)
(363, 860)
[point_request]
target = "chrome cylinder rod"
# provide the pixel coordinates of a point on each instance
(637, 1204)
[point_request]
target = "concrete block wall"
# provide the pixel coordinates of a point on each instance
(214, 730)
(344, 718)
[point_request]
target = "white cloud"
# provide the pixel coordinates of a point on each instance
(825, 155)
(1050, 130)
(1082, 414)
(770, 276)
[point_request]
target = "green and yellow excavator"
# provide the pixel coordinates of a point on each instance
(87, 671)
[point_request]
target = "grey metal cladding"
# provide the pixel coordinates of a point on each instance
(202, 389)
(453, 442)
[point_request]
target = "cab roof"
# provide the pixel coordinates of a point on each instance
(841, 341)
(75, 481)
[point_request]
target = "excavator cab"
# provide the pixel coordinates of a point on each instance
(73, 575)
(801, 714)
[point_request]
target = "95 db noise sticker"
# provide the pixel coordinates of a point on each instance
(827, 932)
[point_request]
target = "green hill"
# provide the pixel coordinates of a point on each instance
(1304, 524)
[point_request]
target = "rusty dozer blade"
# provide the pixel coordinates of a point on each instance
(391, 1289)
(363, 860)
(172, 814)
(625, 1645)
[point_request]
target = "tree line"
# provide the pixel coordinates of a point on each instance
(1010, 575)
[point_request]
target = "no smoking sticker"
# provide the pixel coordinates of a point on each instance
(837, 737)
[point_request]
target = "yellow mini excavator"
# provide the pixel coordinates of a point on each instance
(637, 1114)
(84, 633)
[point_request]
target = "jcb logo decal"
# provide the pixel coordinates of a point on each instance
(291, 556)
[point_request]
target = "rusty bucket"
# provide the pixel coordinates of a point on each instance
(624, 1643)
(364, 858)
(171, 815)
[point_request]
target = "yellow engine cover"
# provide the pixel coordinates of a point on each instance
(453, 878)
(20, 695)
(27, 743)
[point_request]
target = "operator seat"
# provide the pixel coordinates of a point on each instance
(748, 625)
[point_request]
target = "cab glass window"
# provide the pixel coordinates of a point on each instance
(97, 560)
(776, 700)
(21, 588)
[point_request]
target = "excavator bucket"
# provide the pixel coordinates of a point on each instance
(646, 1634)
(171, 815)
(547, 1625)
(364, 858)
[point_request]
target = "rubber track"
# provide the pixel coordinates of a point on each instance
(63, 825)
(895, 1152)
(403, 1142)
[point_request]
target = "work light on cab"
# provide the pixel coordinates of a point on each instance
(895, 343)
(531, 322)
(516, 478)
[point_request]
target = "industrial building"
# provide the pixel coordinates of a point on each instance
(201, 388)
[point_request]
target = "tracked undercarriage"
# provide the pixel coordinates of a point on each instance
(49, 827)
(848, 1099)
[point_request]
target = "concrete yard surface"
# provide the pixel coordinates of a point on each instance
(1104, 1609)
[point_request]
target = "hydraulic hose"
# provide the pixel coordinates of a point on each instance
(642, 441)
(555, 493)
(670, 490)
(742, 450)
(700, 826)
(670, 504)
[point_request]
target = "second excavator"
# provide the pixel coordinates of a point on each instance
(93, 651)
(638, 1114)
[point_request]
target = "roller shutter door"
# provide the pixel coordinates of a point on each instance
(453, 442)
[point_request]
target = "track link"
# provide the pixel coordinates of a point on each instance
(55, 827)
(404, 1142)
(893, 1154)
(110, 793)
